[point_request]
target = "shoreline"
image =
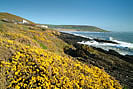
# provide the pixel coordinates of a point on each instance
(122, 47)
(117, 65)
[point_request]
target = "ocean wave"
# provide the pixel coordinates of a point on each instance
(124, 44)
(123, 48)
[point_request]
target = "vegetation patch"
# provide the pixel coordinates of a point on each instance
(42, 45)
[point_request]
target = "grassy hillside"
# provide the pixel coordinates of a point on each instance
(77, 28)
(11, 17)
(34, 58)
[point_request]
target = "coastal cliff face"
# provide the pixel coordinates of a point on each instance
(33, 57)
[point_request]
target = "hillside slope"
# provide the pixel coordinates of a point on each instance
(77, 28)
(35, 58)
(12, 17)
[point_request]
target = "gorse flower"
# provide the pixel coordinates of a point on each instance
(33, 67)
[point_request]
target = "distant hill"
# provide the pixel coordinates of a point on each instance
(76, 28)
(12, 17)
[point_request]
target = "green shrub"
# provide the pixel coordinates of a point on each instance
(43, 46)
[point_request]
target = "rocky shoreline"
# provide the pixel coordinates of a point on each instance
(118, 66)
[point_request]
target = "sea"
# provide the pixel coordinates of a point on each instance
(124, 40)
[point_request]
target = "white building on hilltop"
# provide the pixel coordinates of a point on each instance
(25, 22)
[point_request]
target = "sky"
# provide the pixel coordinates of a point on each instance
(112, 15)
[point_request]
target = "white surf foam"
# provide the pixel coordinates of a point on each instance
(124, 44)
(123, 48)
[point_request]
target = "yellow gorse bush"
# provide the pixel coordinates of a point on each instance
(33, 67)
(43, 39)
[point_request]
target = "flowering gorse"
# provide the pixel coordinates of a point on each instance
(33, 67)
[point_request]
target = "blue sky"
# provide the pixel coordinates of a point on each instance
(113, 15)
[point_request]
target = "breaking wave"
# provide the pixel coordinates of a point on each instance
(124, 48)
